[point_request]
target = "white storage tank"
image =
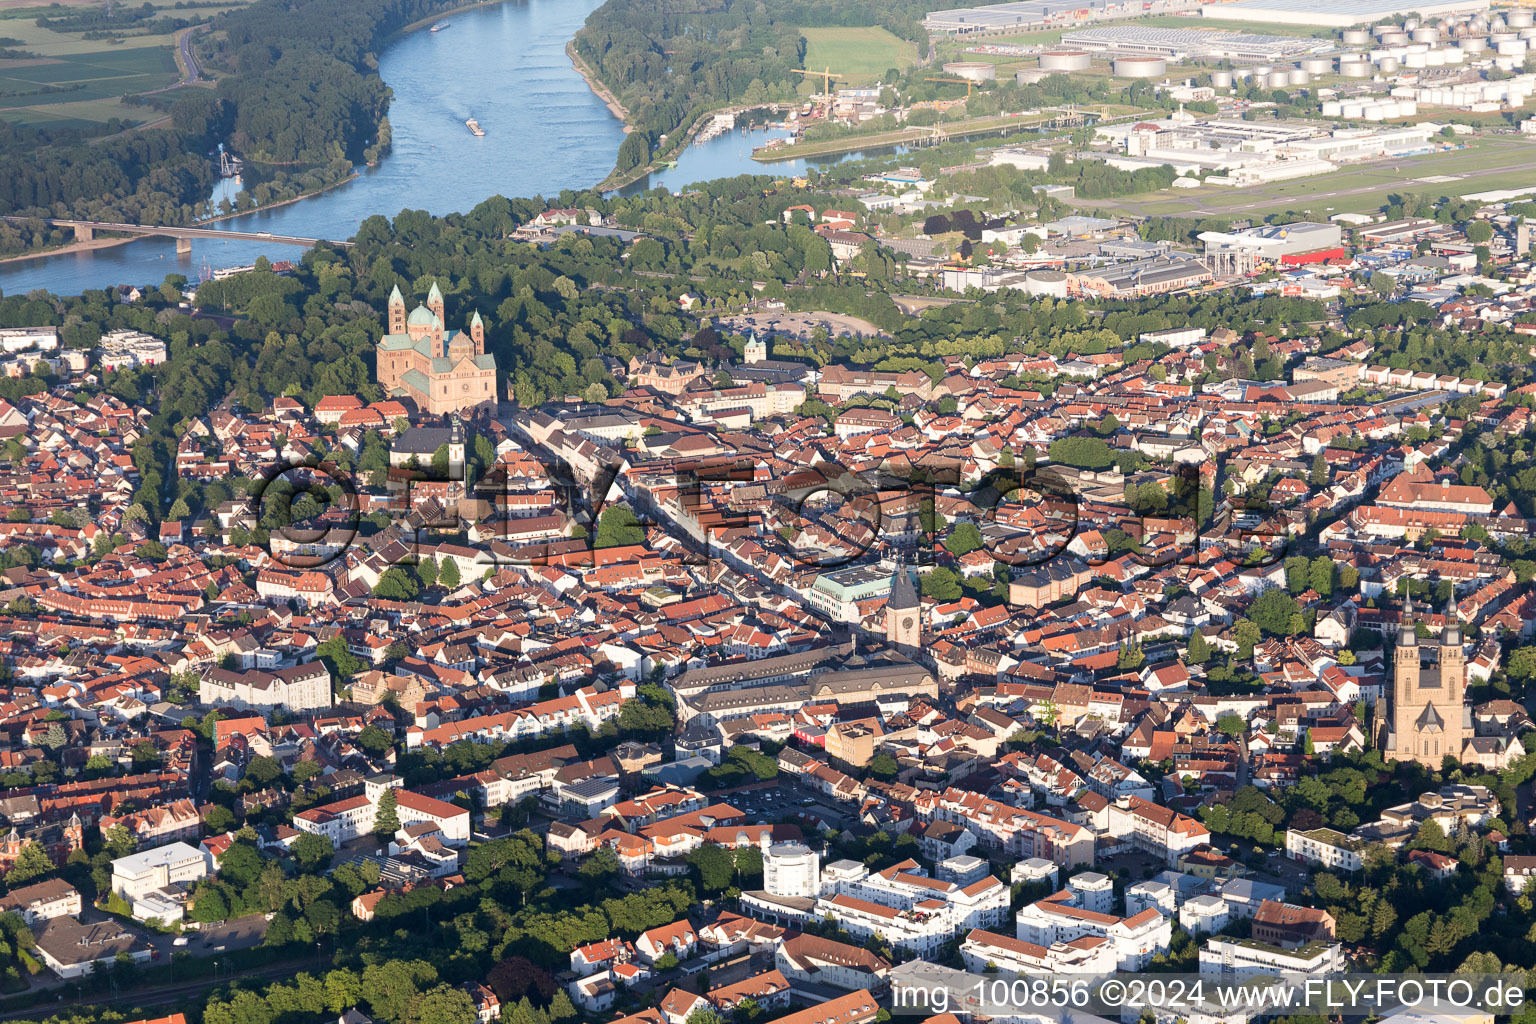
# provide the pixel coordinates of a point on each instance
(1473, 44)
(1512, 48)
(1353, 108)
(1355, 69)
(1519, 19)
(1394, 39)
(1356, 37)
(1317, 65)
(1407, 108)
(972, 70)
(1332, 108)
(1415, 60)
(1426, 35)
(1409, 24)
(1495, 38)
(1299, 77)
(1223, 79)
(1065, 60)
(1046, 282)
(1277, 79)
(1140, 67)
(1435, 58)
(1388, 65)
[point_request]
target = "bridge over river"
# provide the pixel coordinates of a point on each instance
(85, 231)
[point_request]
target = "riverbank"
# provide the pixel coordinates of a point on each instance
(70, 247)
(421, 23)
(599, 90)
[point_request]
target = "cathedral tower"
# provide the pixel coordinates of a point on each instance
(435, 303)
(477, 333)
(396, 312)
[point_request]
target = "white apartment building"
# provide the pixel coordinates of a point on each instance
(1246, 956)
(1093, 891)
(149, 870)
(1136, 939)
(451, 819)
(923, 930)
(1091, 954)
(299, 688)
(339, 822)
(791, 869)
(1205, 913)
(908, 908)
(43, 901)
(1324, 847)
(1156, 829)
(1151, 895)
(129, 348)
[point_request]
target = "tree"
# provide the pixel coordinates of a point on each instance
(210, 905)
(1199, 649)
(963, 539)
(313, 852)
(1271, 611)
(386, 821)
(32, 862)
(219, 819)
(444, 1004)
(1382, 283)
(343, 664)
(714, 867)
(618, 527)
(396, 585)
(448, 574)
(883, 766)
(374, 741)
(426, 571)
(1479, 231)
(1319, 472)
(1232, 724)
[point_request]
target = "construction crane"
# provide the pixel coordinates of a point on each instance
(968, 83)
(825, 75)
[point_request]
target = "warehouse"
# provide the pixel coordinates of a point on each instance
(1191, 44)
(1335, 13)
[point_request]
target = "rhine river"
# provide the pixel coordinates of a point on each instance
(504, 65)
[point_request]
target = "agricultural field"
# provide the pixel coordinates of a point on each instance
(860, 55)
(74, 81)
(83, 87)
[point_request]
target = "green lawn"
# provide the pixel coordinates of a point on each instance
(860, 55)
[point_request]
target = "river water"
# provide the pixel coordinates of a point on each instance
(504, 65)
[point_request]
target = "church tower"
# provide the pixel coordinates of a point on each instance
(477, 333)
(396, 312)
(756, 350)
(902, 608)
(1429, 714)
(435, 302)
(456, 458)
(74, 833)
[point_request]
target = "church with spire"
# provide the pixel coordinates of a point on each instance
(419, 360)
(1427, 716)
(903, 613)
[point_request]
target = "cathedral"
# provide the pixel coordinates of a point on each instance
(417, 359)
(1427, 717)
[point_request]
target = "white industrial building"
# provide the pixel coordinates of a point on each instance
(1334, 13)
